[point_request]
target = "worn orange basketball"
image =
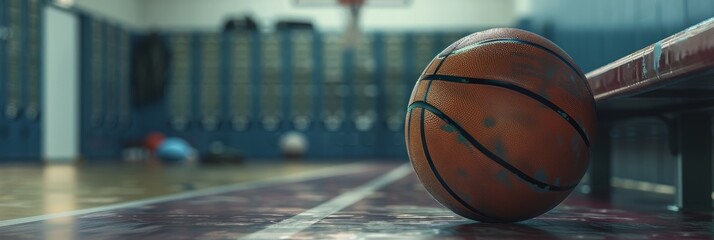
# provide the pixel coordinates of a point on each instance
(499, 126)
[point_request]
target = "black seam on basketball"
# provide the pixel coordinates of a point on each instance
(520, 41)
(441, 180)
(428, 156)
(426, 92)
(525, 177)
(440, 63)
(548, 50)
(409, 132)
(519, 89)
(456, 44)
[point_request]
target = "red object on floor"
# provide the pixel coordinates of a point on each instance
(153, 140)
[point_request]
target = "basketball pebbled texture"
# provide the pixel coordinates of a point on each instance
(499, 125)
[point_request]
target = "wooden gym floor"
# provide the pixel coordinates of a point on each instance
(361, 200)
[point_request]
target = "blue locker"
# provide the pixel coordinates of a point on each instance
(194, 133)
(315, 131)
(331, 62)
(300, 104)
(179, 73)
(88, 122)
(256, 72)
(85, 73)
(4, 128)
(13, 87)
(225, 83)
(96, 141)
(125, 113)
(34, 89)
(110, 87)
(242, 71)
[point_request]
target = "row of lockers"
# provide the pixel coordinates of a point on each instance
(107, 120)
(20, 74)
(246, 89)
(294, 78)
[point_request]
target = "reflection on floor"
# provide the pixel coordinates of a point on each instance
(402, 209)
(29, 190)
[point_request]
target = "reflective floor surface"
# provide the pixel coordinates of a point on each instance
(367, 200)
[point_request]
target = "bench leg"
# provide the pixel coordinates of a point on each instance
(694, 166)
(600, 164)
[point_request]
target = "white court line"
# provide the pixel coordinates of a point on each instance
(299, 177)
(289, 227)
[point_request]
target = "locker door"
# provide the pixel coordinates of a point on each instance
(179, 98)
(33, 60)
(98, 77)
(241, 95)
(271, 84)
(31, 127)
(14, 63)
(110, 80)
(210, 81)
(364, 88)
(124, 117)
(302, 85)
(394, 81)
(333, 83)
(4, 40)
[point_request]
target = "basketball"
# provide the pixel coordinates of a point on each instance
(499, 126)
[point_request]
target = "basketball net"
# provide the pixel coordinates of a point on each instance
(352, 34)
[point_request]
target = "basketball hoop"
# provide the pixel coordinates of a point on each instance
(352, 33)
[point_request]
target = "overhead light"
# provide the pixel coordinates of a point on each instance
(64, 3)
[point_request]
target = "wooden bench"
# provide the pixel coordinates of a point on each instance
(672, 79)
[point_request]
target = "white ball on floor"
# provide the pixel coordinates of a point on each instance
(293, 144)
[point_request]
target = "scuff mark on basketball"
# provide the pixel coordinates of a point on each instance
(462, 172)
(489, 122)
(462, 140)
(459, 137)
(540, 176)
(502, 176)
(448, 128)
